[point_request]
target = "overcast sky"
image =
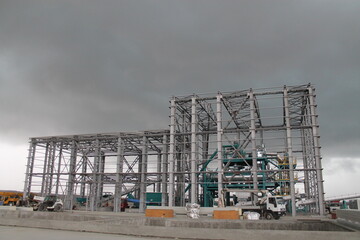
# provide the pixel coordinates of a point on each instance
(81, 66)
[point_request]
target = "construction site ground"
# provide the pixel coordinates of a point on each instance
(20, 222)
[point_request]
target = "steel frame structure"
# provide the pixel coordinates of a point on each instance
(206, 132)
(89, 165)
(283, 121)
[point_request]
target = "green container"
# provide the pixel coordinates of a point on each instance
(153, 198)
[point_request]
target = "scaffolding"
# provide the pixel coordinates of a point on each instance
(261, 139)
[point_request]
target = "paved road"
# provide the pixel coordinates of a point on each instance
(21, 233)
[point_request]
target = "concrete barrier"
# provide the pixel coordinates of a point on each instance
(349, 217)
(202, 228)
(10, 208)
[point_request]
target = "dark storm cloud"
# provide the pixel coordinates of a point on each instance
(100, 66)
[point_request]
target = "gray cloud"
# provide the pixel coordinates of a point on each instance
(101, 66)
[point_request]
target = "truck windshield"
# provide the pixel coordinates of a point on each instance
(50, 198)
(280, 200)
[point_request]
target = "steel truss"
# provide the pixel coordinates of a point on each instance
(213, 144)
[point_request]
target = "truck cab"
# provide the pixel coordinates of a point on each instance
(274, 207)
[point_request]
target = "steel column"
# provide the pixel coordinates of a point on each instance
(59, 169)
(219, 149)
(143, 185)
(119, 176)
(193, 198)
(253, 142)
(289, 152)
(70, 184)
(164, 171)
(172, 153)
(158, 169)
(29, 169)
(43, 182)
(316, 136)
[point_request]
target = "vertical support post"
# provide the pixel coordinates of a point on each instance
(142, 204)
(158, 169)
(193, 151)
(289, 151)
(253, 142)
(305, 162)
(43, 181)
(83, 177)
(316, 136)
(164, 171)
(47, 173)
(29, 168)
(58, 169)
(172, 153)
(51, 167)
(219, 148)
(119, 176)
(100, 187)
(71, 179)
(94, 198)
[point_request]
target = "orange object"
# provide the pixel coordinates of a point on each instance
(163, 213)
(226, 214)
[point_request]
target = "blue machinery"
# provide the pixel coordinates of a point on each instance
(237, 175)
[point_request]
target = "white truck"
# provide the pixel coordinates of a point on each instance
(268, 206)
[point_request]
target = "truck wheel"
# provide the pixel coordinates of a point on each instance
(269, 216)
(57, 208)
(41, 207)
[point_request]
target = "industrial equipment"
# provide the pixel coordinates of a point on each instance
(10, 198)
(238, 175)
(267, 205)
(50, 203)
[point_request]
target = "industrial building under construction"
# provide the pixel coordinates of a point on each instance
(217, 146)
